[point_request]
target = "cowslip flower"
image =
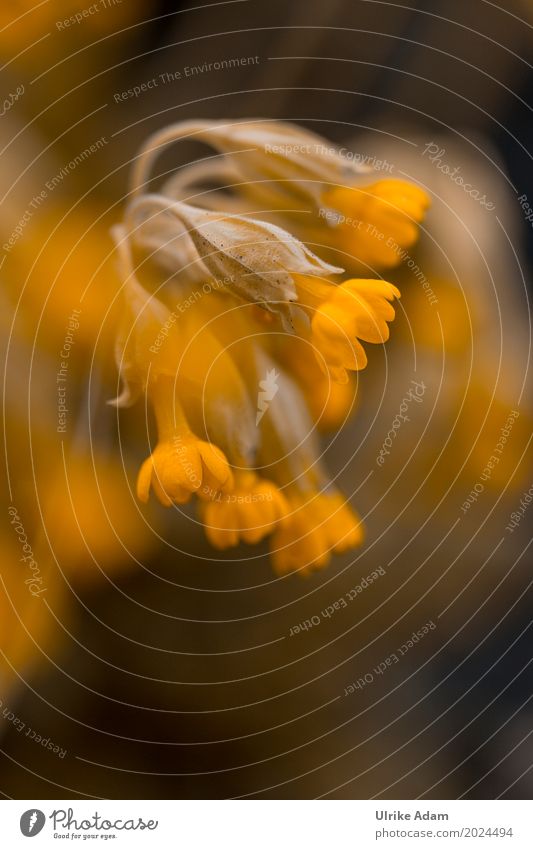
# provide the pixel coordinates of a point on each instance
(319, 520)
(377, 222)
(250, 512)
(181, 463)
(180, 466)
(244, 348)
(344, 314)
(272, 268)
(320, 525)
(370, 221)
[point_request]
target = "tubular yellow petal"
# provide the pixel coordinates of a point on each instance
(160, 493)
(249, 513)
(215, 462)
(176, 469)
(357, 309)
(319, 524)
(378, 220)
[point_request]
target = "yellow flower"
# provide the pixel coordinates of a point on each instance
(250, 512)
(266, 265)
(375, 223)
(27, 624)
(341, 315)
(319, 524)
(285, 167)
(244, 349)
(183, 465)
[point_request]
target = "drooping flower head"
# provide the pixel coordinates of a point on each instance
(244, 344)
(369, 218)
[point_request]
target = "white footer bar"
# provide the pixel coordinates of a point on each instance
(269, 824)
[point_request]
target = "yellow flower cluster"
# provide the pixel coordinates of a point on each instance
(243, 339)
